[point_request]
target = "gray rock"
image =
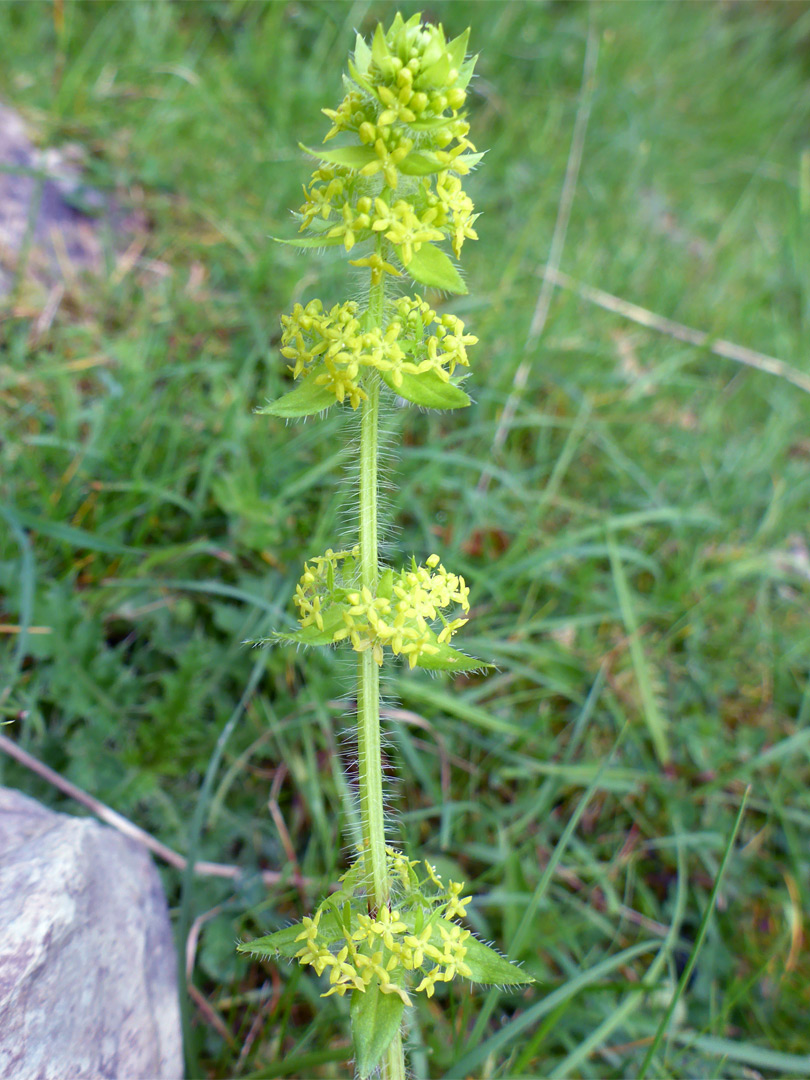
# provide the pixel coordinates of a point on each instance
(70, 219)
(88, 984)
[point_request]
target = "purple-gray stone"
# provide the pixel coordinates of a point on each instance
(88, 984)
(42, 192)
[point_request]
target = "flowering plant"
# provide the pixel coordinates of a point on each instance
(389, 195)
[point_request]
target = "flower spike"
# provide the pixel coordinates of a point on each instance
(387, 188)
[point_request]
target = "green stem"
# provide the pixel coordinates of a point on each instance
(371, 800)
(368, 671)
(394, 1060)
(369, 436)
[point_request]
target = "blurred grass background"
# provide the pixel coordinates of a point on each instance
(638, 560)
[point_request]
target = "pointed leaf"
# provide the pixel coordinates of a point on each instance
(310, 241)
(470, 160)
(417, 163)
(359, 77)
(376, 1018)
(385, 586)
(380, 51)
(434, 75)
(435, 48)
(457, 49)
(465, 72)
(430, 266)
(433, 124)
(354, 157)
(311, 635)
(283, 943)
(450, 659)
(305, 400)
(362, 55)
(488, 966)
(428, 390)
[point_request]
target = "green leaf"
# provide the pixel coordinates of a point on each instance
(434, 75)
(435, 48)
(450, 659)
(283, 943)
(428, 390)
(430, 266)
(311, 635)
(354, 157)
(432, 124)
(362, 55)
(359, 77)
(310, 241)
(305, 400)
(457, 49)
(376, 1018)
(385, 586)
(470, 160)
(465, 72)
(418, 163)
(488, 966)
(380, 51)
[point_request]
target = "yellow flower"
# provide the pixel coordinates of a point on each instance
(456, 907)
(434, 877)
(378, 267)
(389, 923)
(427, 985)
(395, 988)
(417, 943)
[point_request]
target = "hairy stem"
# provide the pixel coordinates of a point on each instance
(371, 801)
(368, 673)
(394, 1060)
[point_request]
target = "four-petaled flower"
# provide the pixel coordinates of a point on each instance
(396, 945)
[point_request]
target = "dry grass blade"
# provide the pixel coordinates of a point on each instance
(124, 825)
(557, 243)
(740, 354)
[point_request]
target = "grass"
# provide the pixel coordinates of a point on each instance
(639, 561)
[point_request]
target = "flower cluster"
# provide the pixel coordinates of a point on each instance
(394, 943)
(399, 615)
(433, 342)
(426, 215)
(403, 107)
(319, 587)
(333, 345)
(332, 341)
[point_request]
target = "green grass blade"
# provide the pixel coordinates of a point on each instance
(656, 724)
(192, 851)
(701, 934)
(469, 1064)
(27, 579)
(526, 922)
(755, 1057)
